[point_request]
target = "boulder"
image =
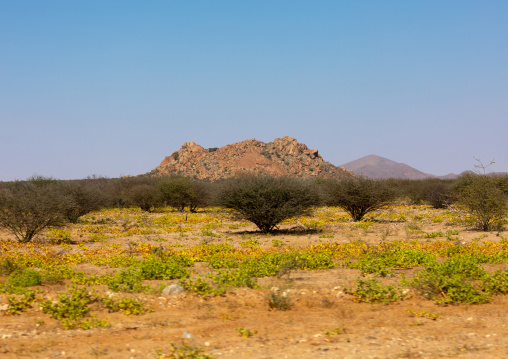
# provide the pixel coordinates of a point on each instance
(173, 289)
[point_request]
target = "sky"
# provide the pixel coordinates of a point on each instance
(110, 88)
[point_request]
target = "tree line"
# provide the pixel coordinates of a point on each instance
(27, 207)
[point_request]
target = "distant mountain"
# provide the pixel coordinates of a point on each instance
(379, 167)
(283, 156)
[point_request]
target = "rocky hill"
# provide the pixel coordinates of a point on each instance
(283, 156)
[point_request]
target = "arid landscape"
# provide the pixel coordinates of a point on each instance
(253, 179)
(308, 305)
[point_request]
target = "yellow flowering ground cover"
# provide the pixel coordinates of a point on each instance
(105, 274)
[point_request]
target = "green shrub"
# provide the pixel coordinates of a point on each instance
(370, 290)
(17, 306)
(73, 304)
(181, 192)
(452, 281)
(84, 323)
(272, 264)
(24, 278)
(85, 196)
(434, 191)
(153, 268)
(184, 351)
(201, 287)
(128, 280)
(496, 283)
(358, 195)
(371, 265)
(484, 198)
(266, 201)
(145, 195)
(381, 262)
(8, 266)
(235, 278)
(246, 333)
(127, 306)
(28, 207)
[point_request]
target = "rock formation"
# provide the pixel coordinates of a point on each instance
(283, 156)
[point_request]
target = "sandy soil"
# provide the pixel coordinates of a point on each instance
(320, 306)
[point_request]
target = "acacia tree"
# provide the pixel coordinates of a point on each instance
(85, 195)
(266, 201)
(181, 192)
(358, 195)
(27, 207)
(484, 197)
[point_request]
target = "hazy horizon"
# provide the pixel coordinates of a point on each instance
(111, 88)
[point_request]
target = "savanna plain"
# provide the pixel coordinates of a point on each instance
(408, 281)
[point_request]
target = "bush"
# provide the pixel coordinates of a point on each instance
(73, 304)
(19, 305)
(484, 198)
(358, 195)
(27, 207)
(181, 192)
(125, 305)
(266, 201)
(8, 266)
(433, 191)
(371, 290)
(25, 278)
(153, 268)
(201, 287)
(452, 281)
(85, 196)
(127, 280)
(145, 195)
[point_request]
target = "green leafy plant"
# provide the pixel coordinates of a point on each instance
(184, 351)
(72, 309)
(201, 287)
(370, 290)
(452, 281)
(19, 305)
(85, 323)
(127, 280)
(125, 305)
(496, 283)
(250, 243)
(335, 331)
(9, 265)
(235, 278)
(73, 304)
(423, 314)
(246, 333)
(277, 243)
(371, 265)
(24, 278)
(153, 268)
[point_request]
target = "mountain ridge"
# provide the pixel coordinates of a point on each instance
(378, 167)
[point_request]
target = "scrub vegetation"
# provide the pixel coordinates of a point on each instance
(93, 254)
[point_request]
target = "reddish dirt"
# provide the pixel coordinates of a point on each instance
(319, 305)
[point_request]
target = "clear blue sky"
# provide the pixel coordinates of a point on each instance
(112, 87)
